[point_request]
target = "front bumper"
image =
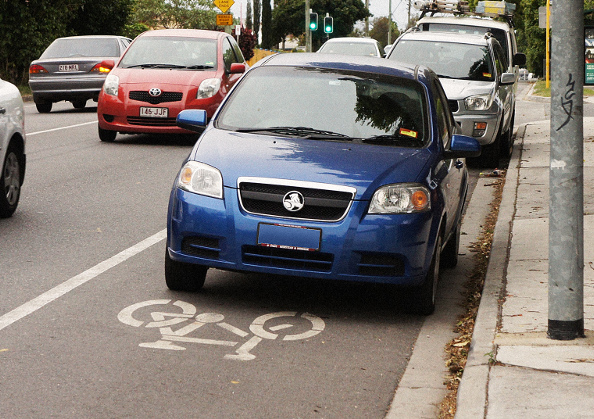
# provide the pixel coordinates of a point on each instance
(393, 249)
(115, 114)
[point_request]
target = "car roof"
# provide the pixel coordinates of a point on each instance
(352, 39)
(453, 37)
(91, 36)
(346, 62)
(466, 20)
(189, 33)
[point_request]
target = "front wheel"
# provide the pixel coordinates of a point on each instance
(422, 299)
(181, 276)
(106, 135)
(10, 181)
(79, 104)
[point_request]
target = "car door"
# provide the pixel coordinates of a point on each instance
(505, 93)
(450, 173)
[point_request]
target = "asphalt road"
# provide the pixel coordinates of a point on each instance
(89, 329)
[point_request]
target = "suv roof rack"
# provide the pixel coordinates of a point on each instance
(496, 9)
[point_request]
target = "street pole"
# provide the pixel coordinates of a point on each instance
(390, 22)
(566, 200)
(307, 29)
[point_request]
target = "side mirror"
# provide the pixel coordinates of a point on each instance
(106, 66)
(462, 146)
(237, 68)
(192, 119)
(508, 78)
(519, 59)
(387, 49)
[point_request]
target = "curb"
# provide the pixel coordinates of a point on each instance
(472, 398)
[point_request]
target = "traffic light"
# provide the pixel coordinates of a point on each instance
(328, 24)
(313, 21)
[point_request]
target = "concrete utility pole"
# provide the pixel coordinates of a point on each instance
(307, 30)
(566, 180)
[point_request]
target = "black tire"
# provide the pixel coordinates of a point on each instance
(44, 107)
(422, 299)
(10, 182)
(181, 276)
(79, 104)
(507, 142)
(490, 153)
(449, 254)
(107, 135)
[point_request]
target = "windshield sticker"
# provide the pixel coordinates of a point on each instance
(487, 75)
(409, 132)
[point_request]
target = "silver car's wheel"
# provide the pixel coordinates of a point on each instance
(11, 183)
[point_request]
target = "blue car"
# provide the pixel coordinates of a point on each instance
(325, 166)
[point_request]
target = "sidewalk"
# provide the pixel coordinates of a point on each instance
(513, 369)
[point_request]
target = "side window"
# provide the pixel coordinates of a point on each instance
(443, 116)
(238, 53)
(228, 54)
(500, 59)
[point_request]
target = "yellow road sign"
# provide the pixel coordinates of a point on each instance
(224, 5)
(224, 20)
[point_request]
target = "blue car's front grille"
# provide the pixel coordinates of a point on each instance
(204, 247)
(319, 204)
(379, 264)
(287, 259)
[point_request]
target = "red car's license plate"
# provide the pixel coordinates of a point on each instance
(68, 67)
(154, 112)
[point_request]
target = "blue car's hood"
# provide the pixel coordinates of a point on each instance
(340, 163)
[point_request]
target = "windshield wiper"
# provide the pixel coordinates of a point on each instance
(400, 140)
(199, 67)
(156, 66)
(305, 132)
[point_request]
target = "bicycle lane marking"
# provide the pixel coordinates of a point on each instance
(78, 280)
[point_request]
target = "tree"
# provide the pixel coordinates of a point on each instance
(101, 17)
(257, 10)
(27, 29)
(246, 42)
(267, 35)
(196, 14)
(249, 23)
(289, 17)
(531, 38)
(379, 30)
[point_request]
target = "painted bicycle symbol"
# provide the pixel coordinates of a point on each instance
(267, 326)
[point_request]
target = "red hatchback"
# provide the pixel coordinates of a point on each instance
(162, 73)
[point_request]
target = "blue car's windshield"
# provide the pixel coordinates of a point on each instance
(328, 104)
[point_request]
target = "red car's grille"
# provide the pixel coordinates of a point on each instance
(144, 96)
(151, 122)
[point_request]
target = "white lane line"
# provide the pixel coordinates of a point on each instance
(60, 128)
(78, 280)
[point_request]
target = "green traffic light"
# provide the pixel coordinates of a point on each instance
(313, 21)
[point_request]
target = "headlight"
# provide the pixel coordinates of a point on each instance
(208, 88)
(478, 102)
(202, 179)
(111, 84)
(400, 199)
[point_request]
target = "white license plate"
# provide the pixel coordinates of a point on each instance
(68, 67)
(154, 112)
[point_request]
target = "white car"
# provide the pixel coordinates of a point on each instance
(352, 46)
(12, 147)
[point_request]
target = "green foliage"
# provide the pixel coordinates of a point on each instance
(101, 17)
(27, 29)
(267, 35)
(246, 42)
(531, 38)
(288, 17)
(191, 14)
(379, 31)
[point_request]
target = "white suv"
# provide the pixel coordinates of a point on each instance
(502, 31)
(473, 72)
(12, 147)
